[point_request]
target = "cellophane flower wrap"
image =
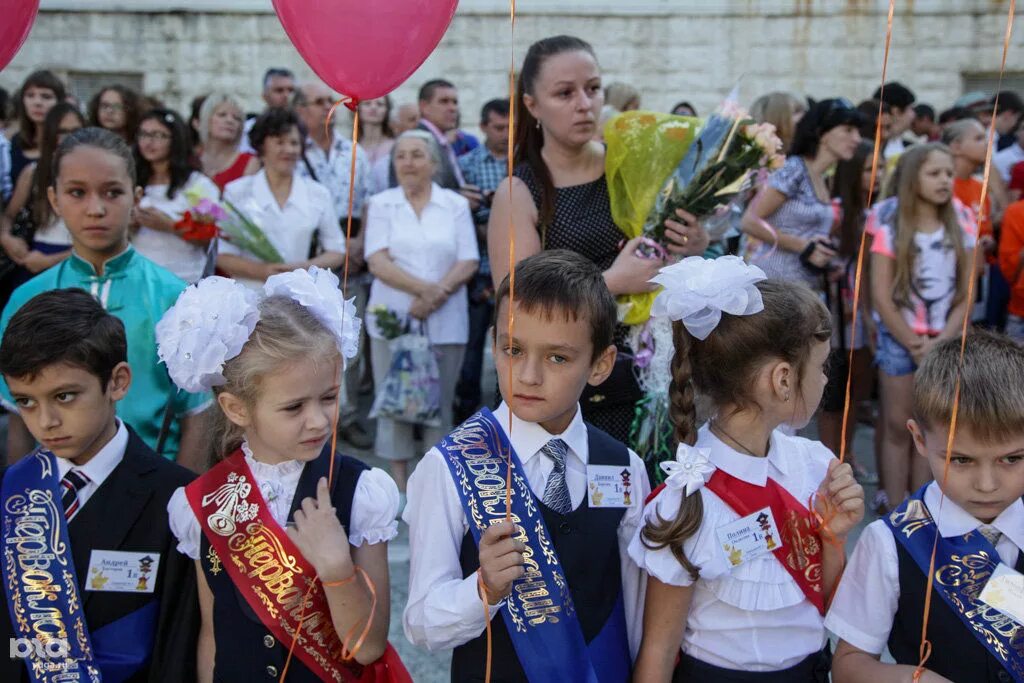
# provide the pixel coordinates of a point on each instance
(206, 327)
(235, 225)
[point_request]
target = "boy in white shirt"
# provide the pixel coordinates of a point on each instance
(570, 597)
(976, 500)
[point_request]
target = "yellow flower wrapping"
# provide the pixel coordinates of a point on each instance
(643, 149)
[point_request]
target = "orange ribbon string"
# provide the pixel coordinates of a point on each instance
(347, 655)
(511, 308)
(859, 272)
(926, 646)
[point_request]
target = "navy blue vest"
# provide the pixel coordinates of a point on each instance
(587, 544)
(956, 653)
(246, 650)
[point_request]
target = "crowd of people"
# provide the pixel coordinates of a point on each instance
(180, 394)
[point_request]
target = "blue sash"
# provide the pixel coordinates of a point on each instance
(963, 565)
(539, 614)
(39, 573)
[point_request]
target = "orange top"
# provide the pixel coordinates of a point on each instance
(968, 191)
(1011, 242)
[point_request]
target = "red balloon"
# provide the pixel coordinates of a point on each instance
(18, 17)
(365, 48)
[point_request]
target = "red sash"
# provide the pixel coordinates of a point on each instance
(273, 576)
(800, 552)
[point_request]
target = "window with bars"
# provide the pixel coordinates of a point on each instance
(84, 84)
(988, 82)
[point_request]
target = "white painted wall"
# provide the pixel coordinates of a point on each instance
(670, 49)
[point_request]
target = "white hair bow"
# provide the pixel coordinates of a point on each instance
(213, 319)
(690, 470)
(697, 291)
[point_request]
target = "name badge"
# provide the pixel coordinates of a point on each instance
(749, 537)
(114, 571)
(1005, 591)
(609, 486)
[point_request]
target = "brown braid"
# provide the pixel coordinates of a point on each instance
(683, 411)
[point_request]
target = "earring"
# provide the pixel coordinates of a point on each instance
(786, 398)
(538, 125)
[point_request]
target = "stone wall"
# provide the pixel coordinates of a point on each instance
(670, 49)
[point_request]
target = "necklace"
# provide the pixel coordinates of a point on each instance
(721, 432)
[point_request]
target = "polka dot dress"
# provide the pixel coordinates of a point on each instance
(583, 223)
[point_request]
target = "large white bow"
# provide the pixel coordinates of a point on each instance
(697, 291)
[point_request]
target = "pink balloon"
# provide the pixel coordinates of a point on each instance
(18, 17)
(365, 48)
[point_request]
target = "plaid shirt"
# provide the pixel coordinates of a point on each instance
(486, 171)
(331, 169)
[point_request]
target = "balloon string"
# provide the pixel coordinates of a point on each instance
(926, 646)
(347, 655)
(858, 277)
(511, 308)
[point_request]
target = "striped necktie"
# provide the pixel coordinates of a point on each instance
(556, 492)
(991, 533)
(73, 482)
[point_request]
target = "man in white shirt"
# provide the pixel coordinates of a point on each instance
(1006, 159)
(278, 88)
(901, 103)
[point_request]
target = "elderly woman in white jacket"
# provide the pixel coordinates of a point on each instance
(421, 248)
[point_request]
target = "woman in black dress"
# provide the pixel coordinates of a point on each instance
(560, 199)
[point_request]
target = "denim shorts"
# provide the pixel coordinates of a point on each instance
(891, 357)
(1015, 328)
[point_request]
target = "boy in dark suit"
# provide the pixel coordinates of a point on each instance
(91, 579)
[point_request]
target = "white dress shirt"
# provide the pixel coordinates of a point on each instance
(1004, 160)
(99, 466)
(444, 609)
(374, 505)
(290, 229)
(332, 169)
(425, 246)
(864, 606)
(184, 259)
(752, 616)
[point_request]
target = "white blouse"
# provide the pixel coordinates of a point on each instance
(374, 505)
(184, 259)
(864, 607)
(308, 212)
(752, 616)
(425, 246)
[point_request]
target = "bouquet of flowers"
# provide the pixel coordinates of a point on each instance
(657, 163)
(227, 221)
(388, 322)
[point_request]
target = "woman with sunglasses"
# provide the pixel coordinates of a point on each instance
(793, 215)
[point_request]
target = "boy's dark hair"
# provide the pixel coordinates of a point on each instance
(427, 89)
(63, 326)
(1008, 100)
(924, 111)
(561, 281)
(895, 94)
(955, 114)
(499, 108)
(992, 372)
(274, 122)
(276, 72)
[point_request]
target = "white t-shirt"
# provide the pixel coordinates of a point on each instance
(426, 247)
(184, 259)
(55, 233)
(933, 283)
(290, 229)
(1004, 160)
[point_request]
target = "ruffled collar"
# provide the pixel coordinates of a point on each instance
(262, 470)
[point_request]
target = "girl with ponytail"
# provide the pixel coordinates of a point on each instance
(745, 540)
